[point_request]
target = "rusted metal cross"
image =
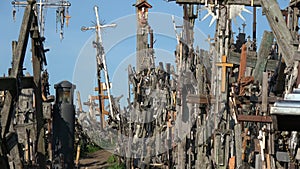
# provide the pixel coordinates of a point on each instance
(224, 66)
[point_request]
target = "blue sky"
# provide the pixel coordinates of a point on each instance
(73, 58)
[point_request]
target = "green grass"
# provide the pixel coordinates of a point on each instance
(88, 148)
(112, 160)
(92, 148)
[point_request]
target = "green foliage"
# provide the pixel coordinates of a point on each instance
(92, 148)
(88, 148)
(112, 160)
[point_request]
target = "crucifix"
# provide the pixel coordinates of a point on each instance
(101, 62)
(224, 66)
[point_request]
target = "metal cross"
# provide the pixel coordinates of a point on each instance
(101, 60)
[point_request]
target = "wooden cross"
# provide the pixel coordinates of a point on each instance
(68, 17)
(103, 97)
(224, 66)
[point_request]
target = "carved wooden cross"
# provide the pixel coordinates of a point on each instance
(224, 66)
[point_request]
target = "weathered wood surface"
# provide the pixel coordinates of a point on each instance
(280, 30)
(234, 58)
(19, 50)
(264, 104)
(17, 64)
(224, 66)
(254, 118)
(243, 62)
(37, 62)
(263, 54)
(238, 144)
(198, 99)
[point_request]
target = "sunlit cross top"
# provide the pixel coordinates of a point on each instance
(224, 66)
(98, 26)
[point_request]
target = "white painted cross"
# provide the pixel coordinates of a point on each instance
(101, 59)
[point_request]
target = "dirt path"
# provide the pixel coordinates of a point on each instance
(96, 160)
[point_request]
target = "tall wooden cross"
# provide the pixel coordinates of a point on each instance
(224, 66)
(101, 61)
